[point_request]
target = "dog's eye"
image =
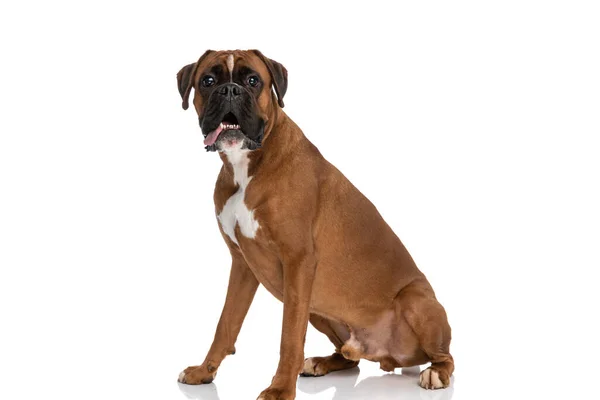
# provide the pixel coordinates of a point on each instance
(208, 81)
(253, 81)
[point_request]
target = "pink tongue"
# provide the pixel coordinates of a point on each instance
(212, 137)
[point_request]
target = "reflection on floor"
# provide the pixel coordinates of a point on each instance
(390, 386)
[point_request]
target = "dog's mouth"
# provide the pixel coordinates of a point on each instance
(229, 122)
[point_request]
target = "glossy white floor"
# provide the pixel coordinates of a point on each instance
(359, 383)
(111, 344)
(363, 383)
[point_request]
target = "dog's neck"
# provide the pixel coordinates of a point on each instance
(282, 138)
(236, 162)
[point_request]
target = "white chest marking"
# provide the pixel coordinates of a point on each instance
(235, 211)
(230, 63)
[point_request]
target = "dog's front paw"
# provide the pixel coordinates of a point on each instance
(273, 393)
(198, 375)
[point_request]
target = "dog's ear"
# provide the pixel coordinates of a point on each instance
(185, 79)
(279, 76)
(184, 83)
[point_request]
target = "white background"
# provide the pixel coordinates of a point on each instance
(471, 125)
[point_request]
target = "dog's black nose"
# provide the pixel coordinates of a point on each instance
(230, 90)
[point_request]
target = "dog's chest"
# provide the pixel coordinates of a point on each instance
(235, 212)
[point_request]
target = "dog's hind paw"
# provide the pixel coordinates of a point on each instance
(430, 379)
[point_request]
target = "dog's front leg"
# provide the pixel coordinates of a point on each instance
(298, 276)
(240, 293)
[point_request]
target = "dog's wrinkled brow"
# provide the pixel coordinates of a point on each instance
(216, 69)
(243, 71)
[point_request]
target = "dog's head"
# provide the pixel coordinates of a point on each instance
(233, 96)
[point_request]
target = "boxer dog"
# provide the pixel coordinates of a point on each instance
(296, 225)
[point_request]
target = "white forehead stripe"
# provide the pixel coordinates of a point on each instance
(230, 65)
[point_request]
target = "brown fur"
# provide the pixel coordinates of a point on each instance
(324, 250)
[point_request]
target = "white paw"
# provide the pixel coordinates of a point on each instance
(430, 379)
(312, 367)
(181, 377)
(352, 349)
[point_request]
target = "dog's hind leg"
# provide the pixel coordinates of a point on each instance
(429, 322)
(319, 366)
